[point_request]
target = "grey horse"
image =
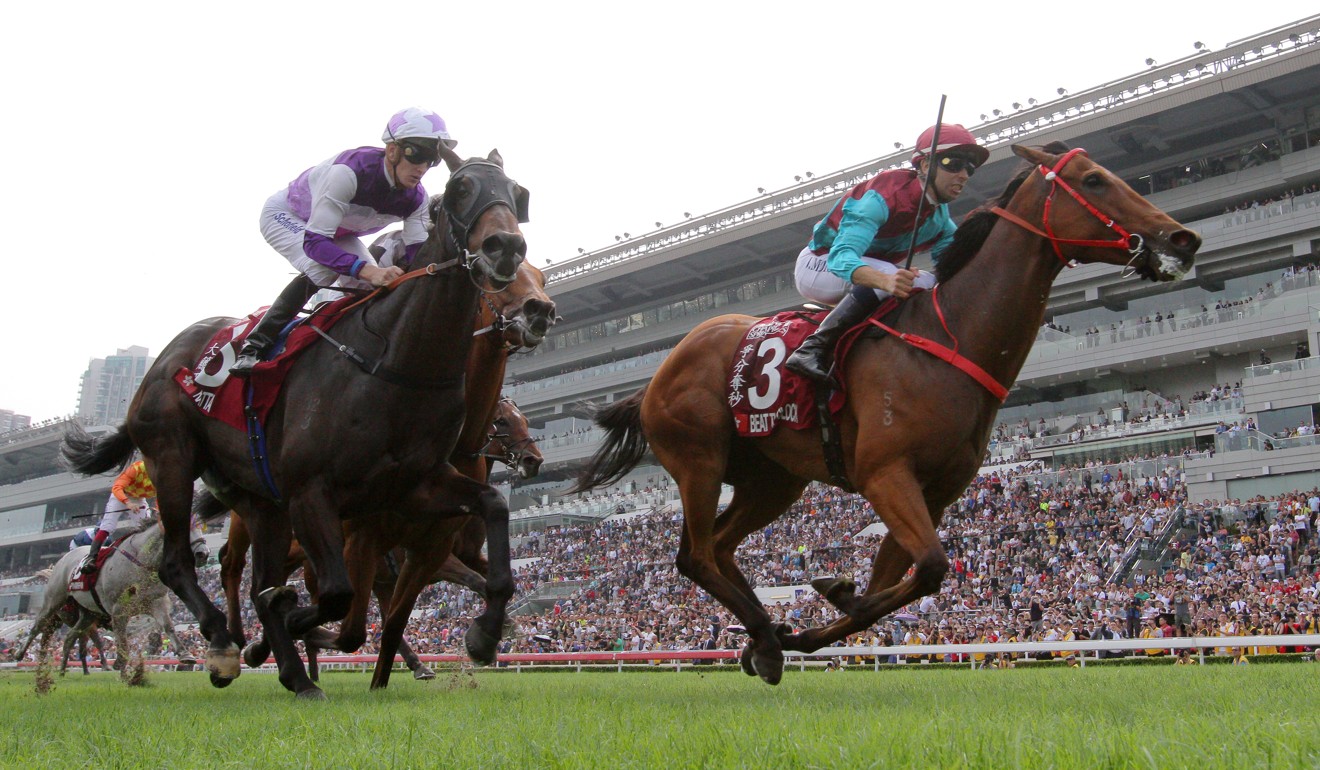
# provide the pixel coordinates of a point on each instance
(127, 587)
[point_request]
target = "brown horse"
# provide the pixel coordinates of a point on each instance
(350, 439)
(914, 428)
(509, 441)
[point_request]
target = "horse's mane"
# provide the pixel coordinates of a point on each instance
(976, 226)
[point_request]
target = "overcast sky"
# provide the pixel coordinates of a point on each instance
(142, 138)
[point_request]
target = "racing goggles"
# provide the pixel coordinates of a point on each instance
(956, 163)
(419, 154)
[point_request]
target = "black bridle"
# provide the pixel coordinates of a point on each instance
(493, 187)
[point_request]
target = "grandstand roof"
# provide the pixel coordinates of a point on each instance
(1153, 120)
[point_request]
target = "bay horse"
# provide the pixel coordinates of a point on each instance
(348, 440)
(509, 441)
(914, 428)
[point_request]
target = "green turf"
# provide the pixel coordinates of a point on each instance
(1150, 717)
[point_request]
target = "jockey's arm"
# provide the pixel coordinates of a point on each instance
(331, 194)
(414, 232)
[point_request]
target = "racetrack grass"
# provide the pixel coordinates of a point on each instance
(1141, 716)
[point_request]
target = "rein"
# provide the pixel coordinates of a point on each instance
(460, 225)
(1134, 243)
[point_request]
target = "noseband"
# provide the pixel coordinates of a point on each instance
(1133, 242)
(495, 440)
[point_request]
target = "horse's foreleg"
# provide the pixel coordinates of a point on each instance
(361, 558)
(66, 649)
(467, 548)
(82, 654)
(456, 571)
(178, 569)
(485, 632)
(271, 537)
(384, 592)
(232, 562)
(754, 505)
(321, 535)
(417, 567)
(100, 647)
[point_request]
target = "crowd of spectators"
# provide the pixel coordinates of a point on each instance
(1028, 561)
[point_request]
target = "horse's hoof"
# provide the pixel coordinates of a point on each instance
(837, 591)
(255, 655)
(770, 667)
(745, 660)
(279, 599)
(822, 585)
(219, 681)
(312, 693)
(480, 645)
(187, 660)
(223, 664)
(423, 674)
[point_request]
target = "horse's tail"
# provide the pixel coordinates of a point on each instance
(624, 444)
(207, 507)
(93, 455)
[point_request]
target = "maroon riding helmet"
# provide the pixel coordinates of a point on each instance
(953, 139)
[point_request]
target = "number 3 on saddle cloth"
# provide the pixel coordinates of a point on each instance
(762, 393)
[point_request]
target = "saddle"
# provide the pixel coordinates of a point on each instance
(764, 394)
(222, 397)
(79, 581)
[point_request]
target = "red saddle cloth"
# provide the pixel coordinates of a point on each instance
(80, 582)
(762, 393)
(220, 396)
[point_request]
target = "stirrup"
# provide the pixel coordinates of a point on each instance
(811, 368)
(245, 364)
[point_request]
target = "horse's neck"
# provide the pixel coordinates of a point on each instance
(996, 303)
(485, 376)
(427, 321)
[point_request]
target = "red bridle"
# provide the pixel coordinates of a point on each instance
(1130, 241)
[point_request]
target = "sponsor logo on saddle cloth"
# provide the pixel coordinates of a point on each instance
(762, 393)
(220, 396)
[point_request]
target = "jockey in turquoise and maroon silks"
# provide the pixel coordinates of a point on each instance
(316, 222)
(852, 259)
(129, 497)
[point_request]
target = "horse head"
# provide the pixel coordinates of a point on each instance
(477, 218)
(511, 441)
(522, 313)
(1093, 216)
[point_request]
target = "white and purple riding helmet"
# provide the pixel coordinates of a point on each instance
(417, 123)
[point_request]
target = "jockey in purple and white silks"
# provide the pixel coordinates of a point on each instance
(854, 254)
(316, 221)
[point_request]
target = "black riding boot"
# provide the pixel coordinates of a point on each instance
(89, 566)
(813, 359)
(260, 339)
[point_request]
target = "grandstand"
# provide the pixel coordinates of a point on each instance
(1138, 402)
(1228, 142)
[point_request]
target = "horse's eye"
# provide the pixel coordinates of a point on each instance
(1093, 181)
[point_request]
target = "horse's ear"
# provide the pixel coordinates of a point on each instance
(496, 158)
(450, 157)
(1032, 155)
(520, 198)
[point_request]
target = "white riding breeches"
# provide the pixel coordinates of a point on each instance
(283, 230)
(816, 283)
